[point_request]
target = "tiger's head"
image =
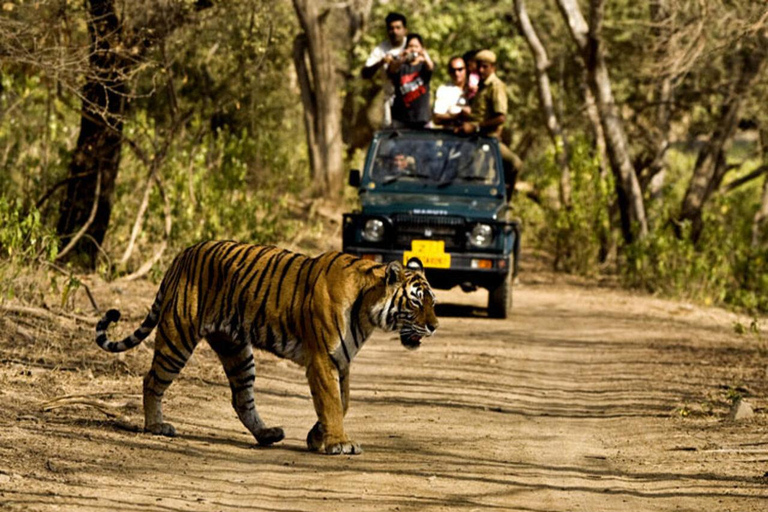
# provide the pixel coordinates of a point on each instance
(410, 303)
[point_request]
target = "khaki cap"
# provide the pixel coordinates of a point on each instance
(486, 56)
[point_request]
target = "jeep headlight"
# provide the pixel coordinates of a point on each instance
(481, 236)
(373, 230)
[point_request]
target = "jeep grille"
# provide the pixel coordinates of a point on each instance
(428, 227)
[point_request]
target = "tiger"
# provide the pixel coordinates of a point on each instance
(315, 311)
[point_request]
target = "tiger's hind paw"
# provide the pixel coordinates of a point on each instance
(161, 429)
(345, 448)
(268, 436)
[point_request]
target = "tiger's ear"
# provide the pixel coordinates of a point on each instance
(394, 273)
(416, 265)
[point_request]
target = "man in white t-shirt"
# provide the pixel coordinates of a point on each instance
(384, 54)
(450, 99)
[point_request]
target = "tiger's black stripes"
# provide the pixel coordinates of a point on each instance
(286, 268)
(158, 379)
(330, 264)
(354, 315)
(165, 368)
(317, 312)
(246, 364)
(175, 364)
(297, 289)
(222, 260)
(341, 341)
(262, 311)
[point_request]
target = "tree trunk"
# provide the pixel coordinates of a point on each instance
(587, 38)
(758, 222)
(710, 168)
(655, 176)
(320, 97)
(761, 216)
(357, 125)
(545, 97)
(97, 152)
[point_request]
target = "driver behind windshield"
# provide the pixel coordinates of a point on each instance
(399, 163)
(392, 165)
(439, 162)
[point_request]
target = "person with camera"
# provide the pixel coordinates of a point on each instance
(410, 73)
(383, 55)
(450, 99)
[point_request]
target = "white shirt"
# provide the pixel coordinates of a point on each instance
(382, 50)
(378, 53)
(449, 99)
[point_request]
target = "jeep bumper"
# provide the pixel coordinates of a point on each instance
(478, 269)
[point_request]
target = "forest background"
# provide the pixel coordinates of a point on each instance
(131, 129)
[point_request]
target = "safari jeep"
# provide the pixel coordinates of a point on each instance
(439, 197)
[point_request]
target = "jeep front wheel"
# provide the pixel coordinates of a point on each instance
(500, 298)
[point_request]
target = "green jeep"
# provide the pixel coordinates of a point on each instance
(440, 197)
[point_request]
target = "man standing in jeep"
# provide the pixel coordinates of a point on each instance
(487, 112)
(384, 54)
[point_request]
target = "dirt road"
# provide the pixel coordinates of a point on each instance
(587, 399)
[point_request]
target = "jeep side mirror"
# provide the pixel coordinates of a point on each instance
(354, 178)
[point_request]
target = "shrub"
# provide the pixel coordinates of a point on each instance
(576, 237)
(23, 236)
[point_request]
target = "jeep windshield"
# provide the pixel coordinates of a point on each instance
(433, 158)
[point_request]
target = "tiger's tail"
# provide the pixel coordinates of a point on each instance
(139, 335)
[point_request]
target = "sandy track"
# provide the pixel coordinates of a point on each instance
(587, 399)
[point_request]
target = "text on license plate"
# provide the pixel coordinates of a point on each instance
(431, 253)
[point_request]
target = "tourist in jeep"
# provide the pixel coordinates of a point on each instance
(384, 54)
(451, 98)
(488, 111)
(410, 74)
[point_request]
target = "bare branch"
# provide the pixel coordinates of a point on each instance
(147, 266)
(738, 182)
(545, 98)
(87, 223)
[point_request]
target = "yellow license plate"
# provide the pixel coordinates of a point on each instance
(431, 253)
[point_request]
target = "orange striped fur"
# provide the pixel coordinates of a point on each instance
(317, 312)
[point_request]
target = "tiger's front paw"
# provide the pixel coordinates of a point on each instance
(315, 438)
(161, 429)
(343, 448)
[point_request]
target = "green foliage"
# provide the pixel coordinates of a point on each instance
(574, 236)
(213, 106)
(36, 130)
(23, 236)
(229, 166)
(24, 242)
(215, 191)
(722, 268)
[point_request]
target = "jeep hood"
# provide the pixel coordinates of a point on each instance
(432, 204)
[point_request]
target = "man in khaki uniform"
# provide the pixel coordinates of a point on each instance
(487, 112)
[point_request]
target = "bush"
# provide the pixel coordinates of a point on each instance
(23, 236)
(25, 241)
(721, 268)
(576, 237)
(224, 185)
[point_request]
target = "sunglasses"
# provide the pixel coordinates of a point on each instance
(454, 70)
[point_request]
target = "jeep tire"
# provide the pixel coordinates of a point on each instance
(500, 298)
